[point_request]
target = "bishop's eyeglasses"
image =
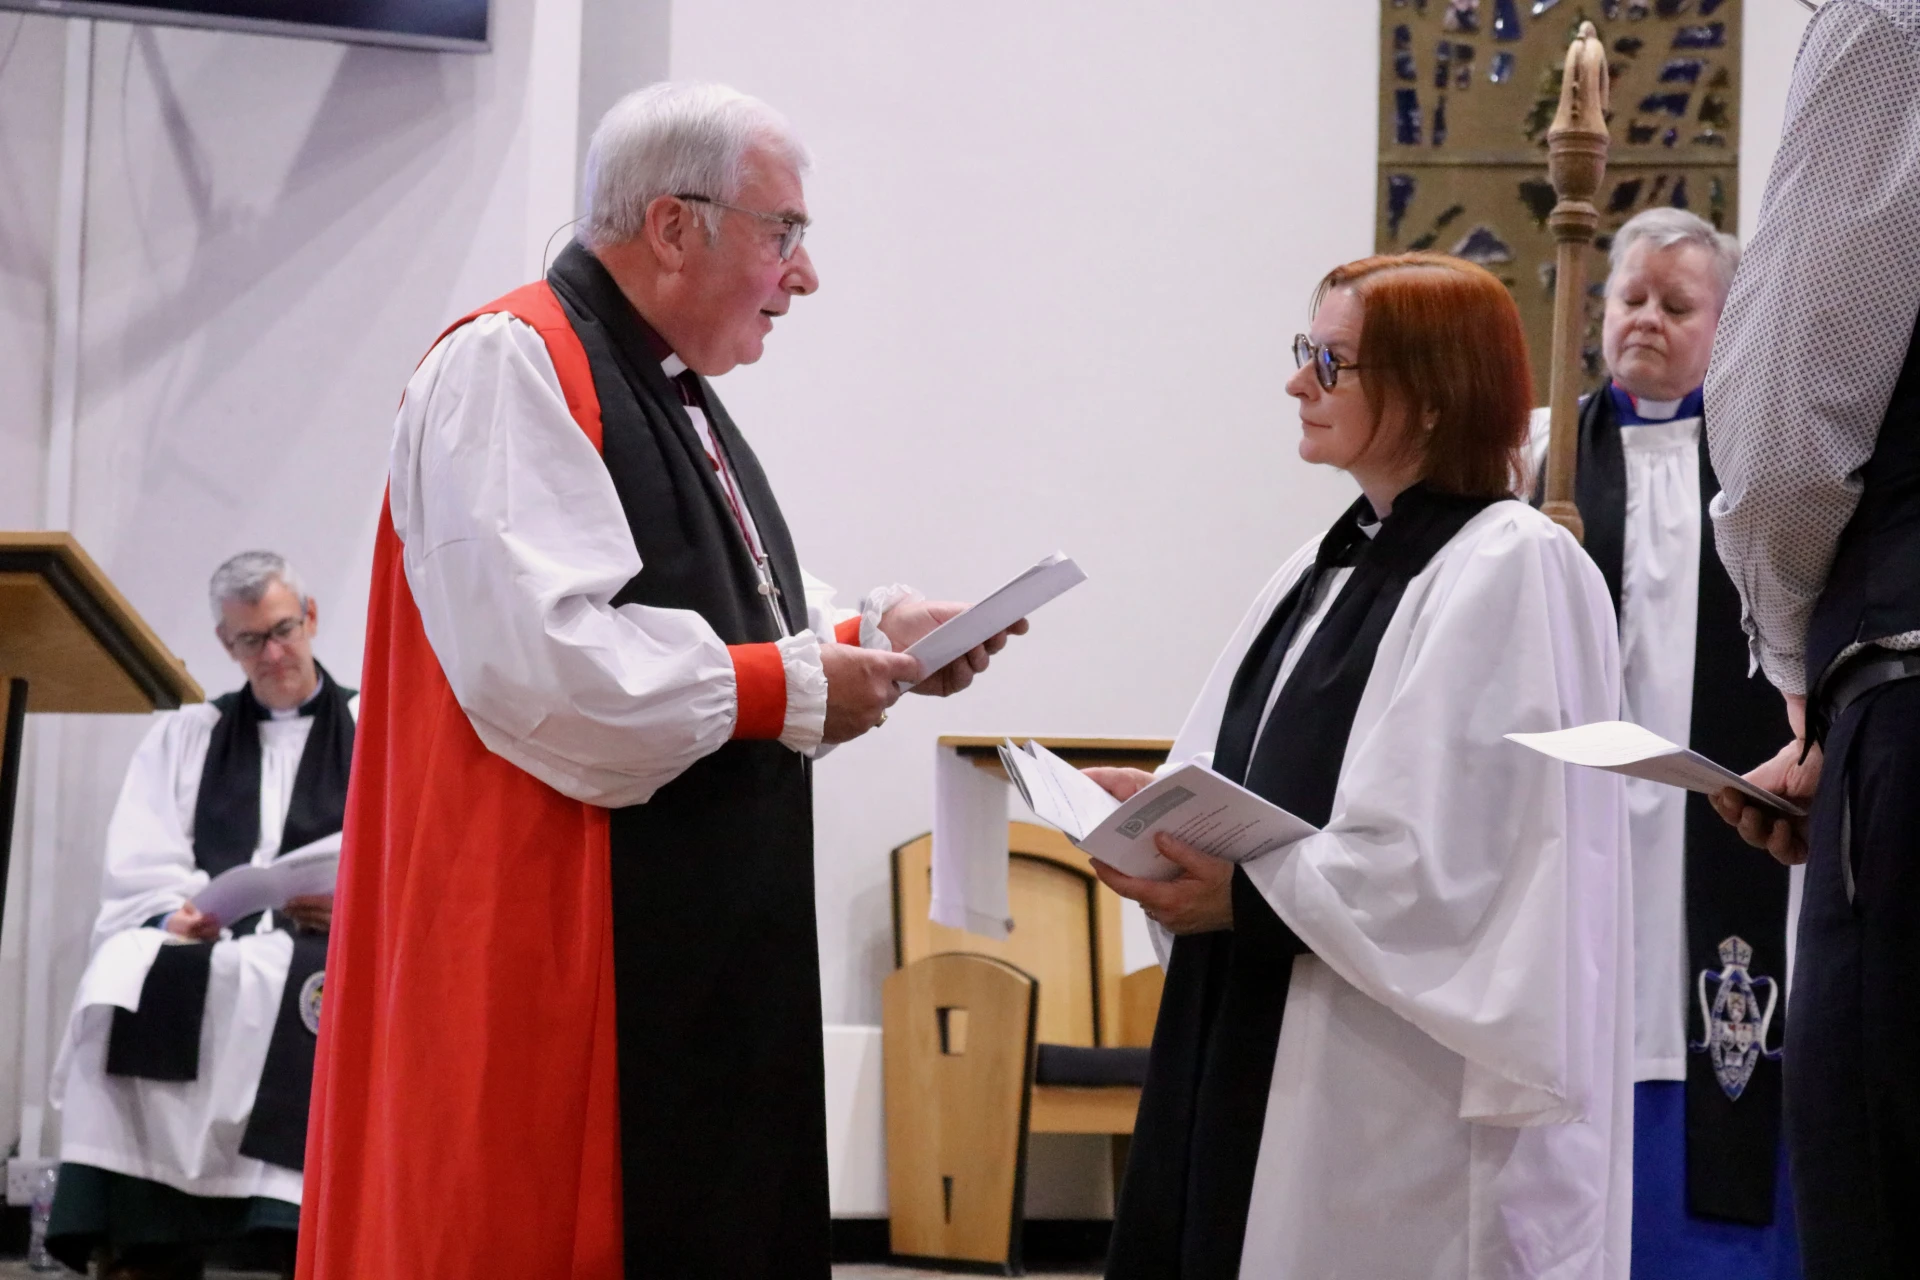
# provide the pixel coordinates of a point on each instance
(1326, 365)
(250, 643)
(796, 226)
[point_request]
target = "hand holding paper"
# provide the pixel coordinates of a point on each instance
(239, 892)
(1194, 805)
(982, 622)
(1620, 747)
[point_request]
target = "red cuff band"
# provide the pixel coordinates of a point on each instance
(761, 681)
(848, 632)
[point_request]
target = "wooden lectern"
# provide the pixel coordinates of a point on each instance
(73, 642)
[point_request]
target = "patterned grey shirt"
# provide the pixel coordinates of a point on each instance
(1818, 323)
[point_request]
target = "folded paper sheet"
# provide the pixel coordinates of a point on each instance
(239, 892)
(1192, 804)
(1053, 576)
(1620, 747)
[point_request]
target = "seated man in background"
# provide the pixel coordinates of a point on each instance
(188, 1060)
(1710, 920)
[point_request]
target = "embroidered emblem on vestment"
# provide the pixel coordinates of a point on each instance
(1735, 1018)
(310, 1001)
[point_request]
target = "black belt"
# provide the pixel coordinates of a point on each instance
(1859, 675)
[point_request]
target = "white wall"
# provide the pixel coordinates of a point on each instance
(1063, 248)
(275, 231)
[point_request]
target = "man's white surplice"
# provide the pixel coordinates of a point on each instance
(184, 1134)
(1451, 1095)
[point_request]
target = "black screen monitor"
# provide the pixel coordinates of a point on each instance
(420, 24)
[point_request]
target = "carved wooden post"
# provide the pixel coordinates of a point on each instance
(1576, 162)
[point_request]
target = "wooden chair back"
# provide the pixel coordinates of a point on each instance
(1066, 931)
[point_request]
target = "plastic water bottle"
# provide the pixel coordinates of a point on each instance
(38, 1259)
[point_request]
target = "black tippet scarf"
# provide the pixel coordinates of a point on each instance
(1189, 1182)
(1732, 1142)
(162, 1040)
(716, 982)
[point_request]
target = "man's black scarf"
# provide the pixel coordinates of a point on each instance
(1189, 1182)
(226, 815)
(1732, 1142)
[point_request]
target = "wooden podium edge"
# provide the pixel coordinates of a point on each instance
(106, 614)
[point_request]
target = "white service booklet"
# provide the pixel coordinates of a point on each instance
(1193, 804)
(239, 892)
(1053, 576)
(1621, 747)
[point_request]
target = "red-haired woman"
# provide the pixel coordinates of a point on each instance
(1399, 1048)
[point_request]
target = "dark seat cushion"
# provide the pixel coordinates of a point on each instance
(1076, 1064)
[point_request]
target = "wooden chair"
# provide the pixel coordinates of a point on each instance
(985, 1042)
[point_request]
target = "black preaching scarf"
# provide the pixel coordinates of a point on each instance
(161, 1041)
(716, 981)
(1189, 1182)
(226, 814)
(1733, 1132)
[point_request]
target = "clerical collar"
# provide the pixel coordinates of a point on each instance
(1631, 410)
(307, 705)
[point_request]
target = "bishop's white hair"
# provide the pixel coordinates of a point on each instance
(1662, 228)
(247, 576)
(676, 139)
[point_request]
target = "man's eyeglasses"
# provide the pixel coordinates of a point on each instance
(796, 227)
(250, 643)
(1326, 366)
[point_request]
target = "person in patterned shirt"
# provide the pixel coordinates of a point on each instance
(1813, 413)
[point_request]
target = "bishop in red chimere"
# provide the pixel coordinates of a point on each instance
(573, 1019)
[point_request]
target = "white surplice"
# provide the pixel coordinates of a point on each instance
(1451, 1093)
(508, 514)
(1659, 621)
(185, 1134)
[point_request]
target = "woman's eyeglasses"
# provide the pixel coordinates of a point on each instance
(1326, 366)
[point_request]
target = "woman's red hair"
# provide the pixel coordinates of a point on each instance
(1442, 338)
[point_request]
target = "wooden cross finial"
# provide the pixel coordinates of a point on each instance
(1576, 164)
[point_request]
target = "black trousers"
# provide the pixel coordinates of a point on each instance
(1853, 1034)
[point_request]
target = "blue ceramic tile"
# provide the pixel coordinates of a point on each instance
(1541, 6)
(1682, 70)
(1484, 246)
(1670, 137)
(1442, 64)
(1679, 200)
(1629, 46)
(1402, 38)
(1403, 67)
(1674, 104)
(1624, 195)
(1462, 15)
(1462, 66)
(1502, 69)
(1640, 134)
(1538, 196)
(1708, 6)
(1506, 20)
(1707, 35)
(1672, 8)
(1440, 121)
(1406, 117)
(1400, 189)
